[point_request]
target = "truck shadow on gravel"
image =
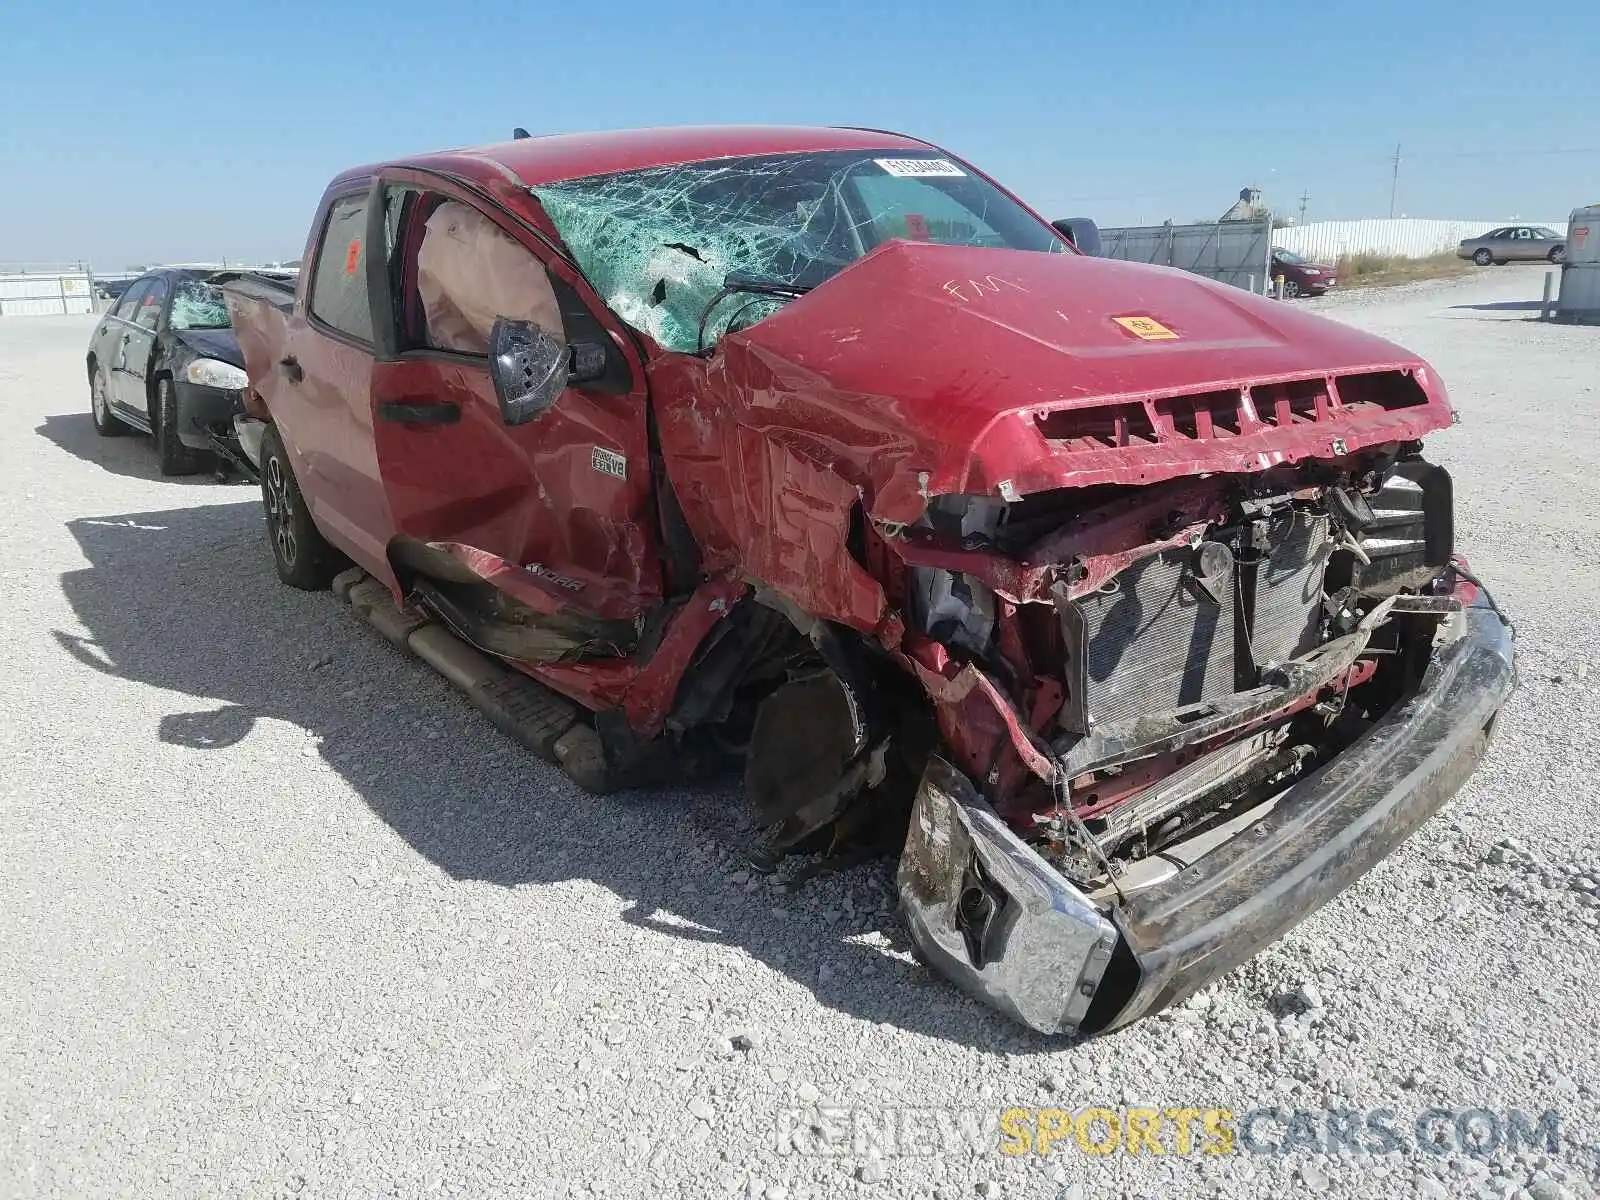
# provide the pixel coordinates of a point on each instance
(133, 455)
(186, 600)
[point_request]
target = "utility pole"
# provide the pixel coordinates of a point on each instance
(1304, 198)
(1394, 182)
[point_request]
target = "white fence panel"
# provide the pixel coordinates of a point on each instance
(46, 293)
(1405, 237)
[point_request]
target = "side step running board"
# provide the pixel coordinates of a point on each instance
(522, 709)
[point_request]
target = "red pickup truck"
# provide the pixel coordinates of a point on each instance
(1124, 601)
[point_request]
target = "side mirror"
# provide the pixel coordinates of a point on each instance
(529, 368)
(1081, 232)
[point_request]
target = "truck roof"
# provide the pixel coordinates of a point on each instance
(555, 157)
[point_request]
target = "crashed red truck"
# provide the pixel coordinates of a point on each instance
(1124, 601)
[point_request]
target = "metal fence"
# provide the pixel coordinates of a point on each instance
(45, 289)
(1231, 252)
(1404, 237)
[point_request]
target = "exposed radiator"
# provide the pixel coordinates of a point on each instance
(1288, 593)
(1159, 637)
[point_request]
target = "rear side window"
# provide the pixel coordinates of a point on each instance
(339, 288)
(148, 314)
(130, 299)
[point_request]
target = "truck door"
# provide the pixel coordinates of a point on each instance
(558, 512)
(319, 389)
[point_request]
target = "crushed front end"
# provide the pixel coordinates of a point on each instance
(1130, 594)
(1177, 718)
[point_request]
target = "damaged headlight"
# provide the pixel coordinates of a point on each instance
(210, 372)
(951, 607)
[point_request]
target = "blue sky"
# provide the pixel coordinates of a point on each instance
(137, 132)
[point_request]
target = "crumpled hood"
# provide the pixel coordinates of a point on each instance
(948, 360)
(220, 344)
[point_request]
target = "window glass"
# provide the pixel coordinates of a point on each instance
(660, 244)
(339, 287)
(130, 299)
(198, 305)
(148, 314)
(921, 212)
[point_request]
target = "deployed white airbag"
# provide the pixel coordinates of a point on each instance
(469, 272)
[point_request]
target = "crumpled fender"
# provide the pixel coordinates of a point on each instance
(761, 502)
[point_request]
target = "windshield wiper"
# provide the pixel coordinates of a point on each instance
(737, 283)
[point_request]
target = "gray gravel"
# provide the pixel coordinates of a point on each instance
(282, 917)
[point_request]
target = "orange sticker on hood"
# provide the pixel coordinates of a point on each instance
(1146, 328)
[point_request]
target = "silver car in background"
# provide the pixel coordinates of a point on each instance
(1515, 243)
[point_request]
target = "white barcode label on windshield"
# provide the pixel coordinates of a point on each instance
(910, 168)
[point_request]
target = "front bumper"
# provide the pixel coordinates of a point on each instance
(989, 912)
(201, 409)
(248, 432)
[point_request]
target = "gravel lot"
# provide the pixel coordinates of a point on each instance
(282, 916)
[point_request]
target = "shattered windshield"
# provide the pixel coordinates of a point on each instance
(660, 244)
(198, 305)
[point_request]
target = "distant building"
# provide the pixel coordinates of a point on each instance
(1247, 208)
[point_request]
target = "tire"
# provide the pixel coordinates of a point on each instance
(173, 456)
(302, 555)
(1291, 290)
(1558, 254)
(1482, 256)
(105, 422)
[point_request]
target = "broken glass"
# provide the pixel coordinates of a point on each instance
(198, 305)
(659, 244)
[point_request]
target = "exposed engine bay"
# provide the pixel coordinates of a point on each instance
(1260, 684)
(1193, 647)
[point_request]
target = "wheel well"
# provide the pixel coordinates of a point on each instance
(91, 362)
(151, 387)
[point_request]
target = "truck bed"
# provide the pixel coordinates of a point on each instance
(259, 306)
(275, 290)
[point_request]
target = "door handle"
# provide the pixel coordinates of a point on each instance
(290, 366)
(427, 412)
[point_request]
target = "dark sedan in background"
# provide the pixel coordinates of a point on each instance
(164, 361)
(1515, 243)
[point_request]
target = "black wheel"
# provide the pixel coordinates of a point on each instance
(105, 423)
(175, 458)
(1557, 254)
(1482, 256)
(1291, 290)
(302, 555)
